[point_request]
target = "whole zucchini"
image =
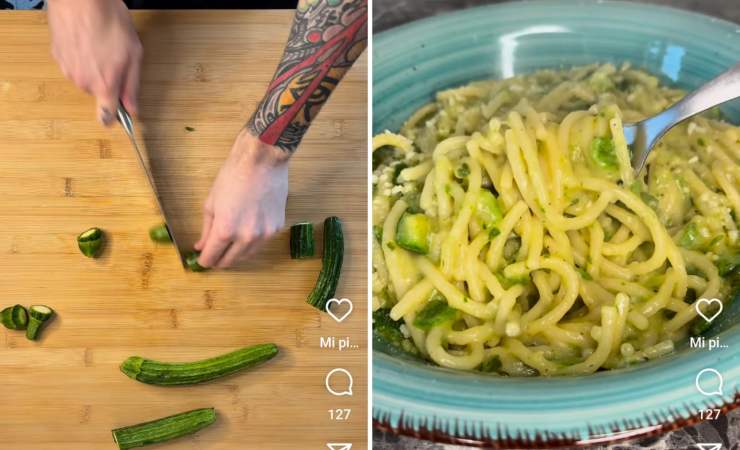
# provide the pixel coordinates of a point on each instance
(164, 429)
(328, 279)
(301, 240)
(169, 374)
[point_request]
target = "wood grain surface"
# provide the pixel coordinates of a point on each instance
(61, 172)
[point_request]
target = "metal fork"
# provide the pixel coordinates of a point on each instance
(642, 136)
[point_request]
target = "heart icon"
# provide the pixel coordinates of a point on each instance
(708, 304)
(337, 304)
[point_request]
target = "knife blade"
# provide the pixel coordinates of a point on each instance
(125, 119)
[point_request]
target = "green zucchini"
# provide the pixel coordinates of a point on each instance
(301, 240)
(436, 312)
(191, 260)
(694, 237)
(331, 266)
(160, 233)
(164, 429)
(170, 374)
(413, 232)
(20, 317)
(90, 242)
(487, 210)
(6, 316)
(14, 317)
(37, 315)
(603, 154)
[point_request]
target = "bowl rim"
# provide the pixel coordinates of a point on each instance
(549, 440)
(382, 421)
(526, 4)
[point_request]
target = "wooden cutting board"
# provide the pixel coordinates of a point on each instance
(61, 172)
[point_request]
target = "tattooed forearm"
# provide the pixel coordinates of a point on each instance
(326, 38)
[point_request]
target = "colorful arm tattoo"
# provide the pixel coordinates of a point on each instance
(326, 38)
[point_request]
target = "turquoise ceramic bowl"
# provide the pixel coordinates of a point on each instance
(412, 62)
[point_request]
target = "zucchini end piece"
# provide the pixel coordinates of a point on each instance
(90, 242)
(160, 233)
(37, 316)
(20, 317)
(413, 233)
(14, 317)
(132, 366)
(7, 317)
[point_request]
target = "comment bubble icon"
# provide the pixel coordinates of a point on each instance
(709, 382)
(339, 446)
(339, 382)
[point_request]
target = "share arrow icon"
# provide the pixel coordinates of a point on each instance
(346, 446)
(710, 446)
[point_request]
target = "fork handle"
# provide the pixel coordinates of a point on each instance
(723, 88)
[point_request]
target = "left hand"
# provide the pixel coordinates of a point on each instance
(246, 204)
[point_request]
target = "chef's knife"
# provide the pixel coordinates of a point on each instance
(125, 118)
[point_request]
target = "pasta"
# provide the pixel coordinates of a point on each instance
(513, 236)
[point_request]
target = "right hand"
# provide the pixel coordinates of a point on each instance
(246, 205)
(97, 48)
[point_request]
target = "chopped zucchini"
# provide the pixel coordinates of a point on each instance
(191, 260)
(7, 318)
(413, 233)
(386, 327)
(90, 242)
(491, 364)
(603, 154)
(160, 233)
(692, 238)
(728, 264)
(389, 331)
(584, 274)
(37, 316)
(487, 210)
(301, 240)
(14, 317)
(506, 283)
(434, 313)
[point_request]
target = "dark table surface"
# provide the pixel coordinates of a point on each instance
(390, 13)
